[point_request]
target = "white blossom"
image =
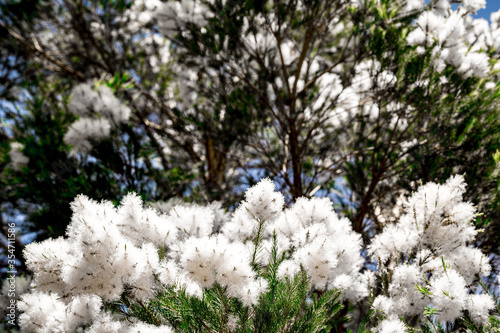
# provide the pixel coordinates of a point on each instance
(449, 295)
(99, 112)
(479, 306)
(44, 312)
(474, 5)
(391, 326)
(431, 237)
(17, 158)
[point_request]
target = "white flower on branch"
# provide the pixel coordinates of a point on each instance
(99, 111)
(17, 158)
(427, 257)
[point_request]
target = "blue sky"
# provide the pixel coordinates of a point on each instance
(491, 6)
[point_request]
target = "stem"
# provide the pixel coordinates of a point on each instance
(223, 302)
(149, 312)
(256, 242)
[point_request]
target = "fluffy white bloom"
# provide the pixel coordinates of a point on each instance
(490, 85)
(478, 63)
(251, 292)
(454, 33)
(261, 205)
(87, 102)
(330, 87)
(469, 262)
(436, 230)
(220, 217)
(317, 261)
(146, 328)
(288, 269)
(175, 15)
(144, 225)
(98, 257)
(449, 295)
(170, 274)
(44, 312)
(411, 5)
(383, 303)
(85, 129)
(393, 240)
(474, 5)
(192, 221)
(442, 7)
(99, 112)
(354, 289)
(209, 260)
(391, 326)
(110, 107)
(82, 310)
(106, 324)
(495, 20)
(325, 246)
(82, 100)
(17, 158)
(429, 23)
(46, 260)
(104, 259)
(479, 306)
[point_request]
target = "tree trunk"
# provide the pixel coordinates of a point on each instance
(216, 167)
(296, 189)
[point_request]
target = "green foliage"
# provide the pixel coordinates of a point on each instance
(289, 305)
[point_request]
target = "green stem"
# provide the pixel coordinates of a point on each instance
(149, 312)
(257, 241)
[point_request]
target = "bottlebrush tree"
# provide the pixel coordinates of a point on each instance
(192, 102)
(263, 268)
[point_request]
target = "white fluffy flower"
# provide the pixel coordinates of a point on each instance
(99, 112)
(147, 328)
(412, 5)
(448, 295)
(384, 304)
(85, 129)
(436, 230)
(17, 158)
(325, 246)
(262, 206)
(479, 306)
(143, 225)
(391, 326)
(288, 268)
(195, 221)
(175, 15)
(474, 5)
(44, 312)
(106, 324)
(262, 202)
(87, 102)
(46, 260)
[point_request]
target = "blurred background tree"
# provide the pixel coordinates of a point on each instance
(330, 99)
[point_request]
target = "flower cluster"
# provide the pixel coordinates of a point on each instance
(175, 15)
(17, 158)
(455, 38)
(427, 260)
(139, 251)
(99, 111)
(109, 251)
